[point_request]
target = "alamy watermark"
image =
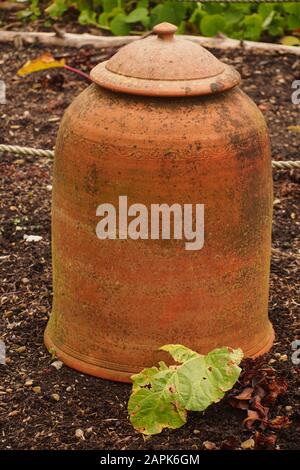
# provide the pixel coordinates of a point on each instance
(296, 93)
(2, 92)
(160, 221)
(2, 352)
(296, 353)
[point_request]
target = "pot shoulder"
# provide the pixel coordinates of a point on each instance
(99, 115)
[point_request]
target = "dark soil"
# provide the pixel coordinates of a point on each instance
(31, 418)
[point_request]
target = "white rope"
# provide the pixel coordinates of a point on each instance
(277, 165)
(26, 151)
(286, 165)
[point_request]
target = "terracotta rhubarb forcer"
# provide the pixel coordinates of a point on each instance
(164, 122)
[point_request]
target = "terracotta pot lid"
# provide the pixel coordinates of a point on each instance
(165, 65)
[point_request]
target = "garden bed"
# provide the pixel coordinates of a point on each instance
(41, 407)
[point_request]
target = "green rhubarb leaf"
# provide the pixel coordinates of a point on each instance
(139, 14)
(211, 25)
(161, 396)
(118, 26)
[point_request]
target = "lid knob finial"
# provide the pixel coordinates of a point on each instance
(165, 30)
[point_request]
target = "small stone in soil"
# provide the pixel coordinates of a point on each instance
(55, 396)
(208, 445)
(32, 238)
(37, 389)
(57, 364)
(283, 358)
(79, 434)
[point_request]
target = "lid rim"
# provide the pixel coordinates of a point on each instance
(163, 79)
(227, 79)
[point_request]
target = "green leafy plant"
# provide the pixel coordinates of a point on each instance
(237, 20)
(33, 11)
(161, 396)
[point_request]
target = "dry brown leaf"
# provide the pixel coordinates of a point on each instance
(246, 394)
(231, 443)
(260, 391)
(279, 422)
(263, 442)
(275, 388)
(256, 405)
(240, 404)
(252, 417)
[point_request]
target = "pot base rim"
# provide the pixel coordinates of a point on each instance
(121, 375)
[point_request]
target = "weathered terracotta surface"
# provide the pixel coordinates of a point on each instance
(116, 301)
